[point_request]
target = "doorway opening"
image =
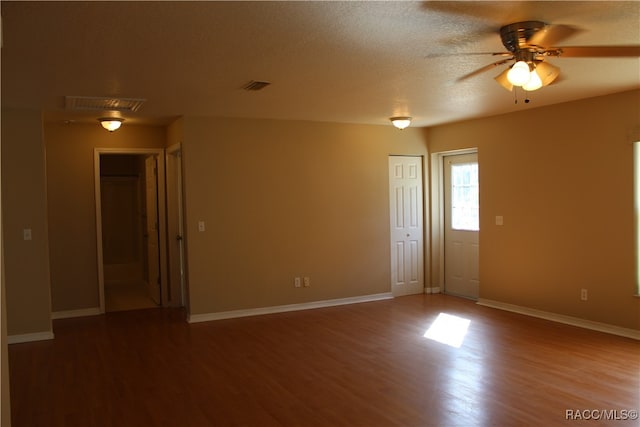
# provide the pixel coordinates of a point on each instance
(131, 229)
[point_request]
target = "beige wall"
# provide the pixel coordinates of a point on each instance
(24, 206)
(562, 177)
(72, 218)
(175, 132)
(282, 199)
(5, 399)
(287, 198)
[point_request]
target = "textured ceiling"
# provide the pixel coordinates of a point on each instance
(357, 62)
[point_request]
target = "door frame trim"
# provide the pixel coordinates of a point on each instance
(162, 216)
(437, 215)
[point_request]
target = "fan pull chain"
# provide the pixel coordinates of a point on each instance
(515, 96)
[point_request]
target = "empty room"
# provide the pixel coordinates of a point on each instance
(356, 213)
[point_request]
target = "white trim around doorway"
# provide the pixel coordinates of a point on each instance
(437, 215)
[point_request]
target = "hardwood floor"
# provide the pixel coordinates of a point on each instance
(127, 295)
(365, 364)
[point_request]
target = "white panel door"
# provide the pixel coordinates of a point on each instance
(407, 235)
(462, 224)
(151, 228)
(175, 228)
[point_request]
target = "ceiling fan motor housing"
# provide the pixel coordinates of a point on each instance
(515, 37)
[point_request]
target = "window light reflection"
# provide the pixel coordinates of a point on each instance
(448, 329)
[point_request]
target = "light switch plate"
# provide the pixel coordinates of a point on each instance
(499, 220)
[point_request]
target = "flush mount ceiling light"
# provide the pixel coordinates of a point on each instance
(111, 123)
(401, 122)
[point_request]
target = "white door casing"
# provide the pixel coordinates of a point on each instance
(406, 225)
(461, 225)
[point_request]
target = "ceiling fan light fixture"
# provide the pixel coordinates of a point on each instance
(111, 123)
(534, 82)
(519, 74)
(503, 81)
(547, 72)
(401, 122)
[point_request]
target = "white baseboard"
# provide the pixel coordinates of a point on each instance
(35, 336)
(205, 317)
(66, 314)
(560, 318)
(432, 290)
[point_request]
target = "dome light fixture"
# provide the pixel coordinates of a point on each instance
(111, 123)
(401, 122)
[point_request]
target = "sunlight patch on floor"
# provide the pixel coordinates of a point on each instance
(448, 329)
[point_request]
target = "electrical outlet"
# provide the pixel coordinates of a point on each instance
(26, 234)
(584, 294)
(307, 282)
(296, 282)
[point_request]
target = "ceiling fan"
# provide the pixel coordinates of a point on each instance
(530, 43)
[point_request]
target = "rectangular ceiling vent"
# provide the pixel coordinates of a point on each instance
(90, 103)
(255, 85)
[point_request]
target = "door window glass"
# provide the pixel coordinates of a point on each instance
(465, 201)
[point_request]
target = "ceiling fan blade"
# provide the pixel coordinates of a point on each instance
(483, 69)
(550, 35)
(449, 55)
(599, 51)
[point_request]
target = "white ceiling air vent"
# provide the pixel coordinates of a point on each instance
(255, 85)
(90, 103)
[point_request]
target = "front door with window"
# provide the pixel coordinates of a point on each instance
(462, 223)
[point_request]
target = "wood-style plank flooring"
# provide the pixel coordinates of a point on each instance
(365, 364)
(127, 295)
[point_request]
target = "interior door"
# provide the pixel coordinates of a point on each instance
(462, 225)
(407, 234)
(151, 228)
(175, 228)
